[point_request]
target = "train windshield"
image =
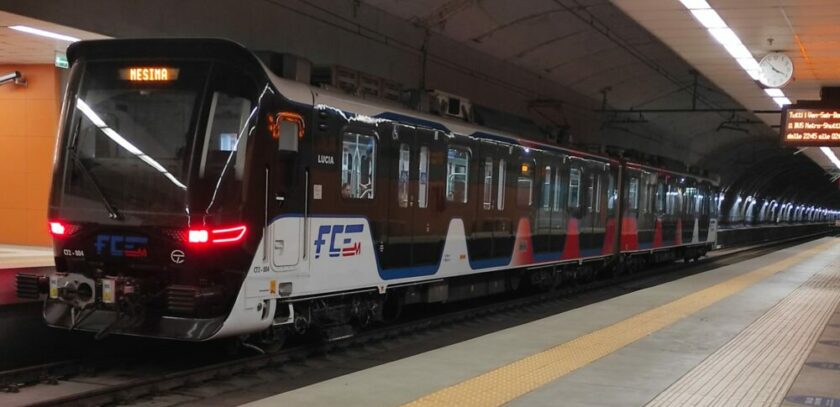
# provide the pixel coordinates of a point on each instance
(131, 145)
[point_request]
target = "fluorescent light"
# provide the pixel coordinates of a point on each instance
(725, 36)
(750, 66)
(782, 101)
(774, 93)
(44, 33)
(830, 154)
(709, 18)
(695, 4)
(738, 51)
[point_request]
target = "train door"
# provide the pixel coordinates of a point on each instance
(504, 207)
(428, 225)
(559, 199)
(480, 244)
(403, 200)
(285, 186)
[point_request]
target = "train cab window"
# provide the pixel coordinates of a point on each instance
(423, 178)
(558, 180)
(358, 163)
(611, 192)
(574, 188)
(545, 193)
(488, 183)
(525, 186)
(633, 193)
(228, 117)
(457, 174)
(402, 180)
(500, 198)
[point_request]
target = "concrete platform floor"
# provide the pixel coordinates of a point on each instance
(12, 256)
(736, 335)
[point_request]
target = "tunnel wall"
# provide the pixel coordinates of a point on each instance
(760, 234)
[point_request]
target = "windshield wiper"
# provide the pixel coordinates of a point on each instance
(112, 211)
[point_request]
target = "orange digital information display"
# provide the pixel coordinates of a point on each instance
(149, 74)
(811, 127)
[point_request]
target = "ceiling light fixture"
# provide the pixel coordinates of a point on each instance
(718, 29)
(830, 154)
(695, 4)
(43, 33)
(781, 101)
(709, 18)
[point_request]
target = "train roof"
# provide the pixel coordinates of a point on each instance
(373, 111)
(353, 107)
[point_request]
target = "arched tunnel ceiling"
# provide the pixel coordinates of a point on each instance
(594, 48)
(568, 53)
(591, 46)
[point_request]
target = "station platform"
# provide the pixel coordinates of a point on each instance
(763, 332)
(14, 259)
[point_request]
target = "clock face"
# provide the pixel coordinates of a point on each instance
(776, 70)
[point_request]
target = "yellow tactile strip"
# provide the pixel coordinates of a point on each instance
(515, 379)
(758, 366)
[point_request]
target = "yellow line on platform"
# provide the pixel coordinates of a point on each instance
(508, 382)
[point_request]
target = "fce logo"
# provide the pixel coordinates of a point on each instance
(122, 246)
(347, 245)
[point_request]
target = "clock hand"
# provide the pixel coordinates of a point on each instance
(774, 68)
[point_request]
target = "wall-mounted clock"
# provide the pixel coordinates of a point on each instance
(776, 70)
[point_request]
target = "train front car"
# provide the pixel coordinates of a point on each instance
(157, 207)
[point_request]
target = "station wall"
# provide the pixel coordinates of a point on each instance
(28, 121)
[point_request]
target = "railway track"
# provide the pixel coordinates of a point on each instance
(125, 378)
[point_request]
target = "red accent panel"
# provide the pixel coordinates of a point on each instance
(523, 250)
(609, 236)
(629, 233)
(657, 233)
(571, 250)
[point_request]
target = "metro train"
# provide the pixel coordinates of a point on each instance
(196, 195)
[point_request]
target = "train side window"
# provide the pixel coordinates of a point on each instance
(402, 181)
(660, 197)
(558, 180)
(225, 135)
(358, 164)
(611, 195)
(423, 178)
(590, 193)
(669, 201)
(488, 183)
(545, 193)
(500, 198)
(633, 193)
(525, 186)
(457, 174)
(574, 188)
(598, 194)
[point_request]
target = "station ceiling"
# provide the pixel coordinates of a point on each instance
(637, 57)
(21, 48)
(641, 54)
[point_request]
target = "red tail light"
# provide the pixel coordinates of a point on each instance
(221, 235)
(61, 229)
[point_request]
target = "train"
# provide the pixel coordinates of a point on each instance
(196, 196)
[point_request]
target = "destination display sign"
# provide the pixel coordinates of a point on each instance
(811, 127)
